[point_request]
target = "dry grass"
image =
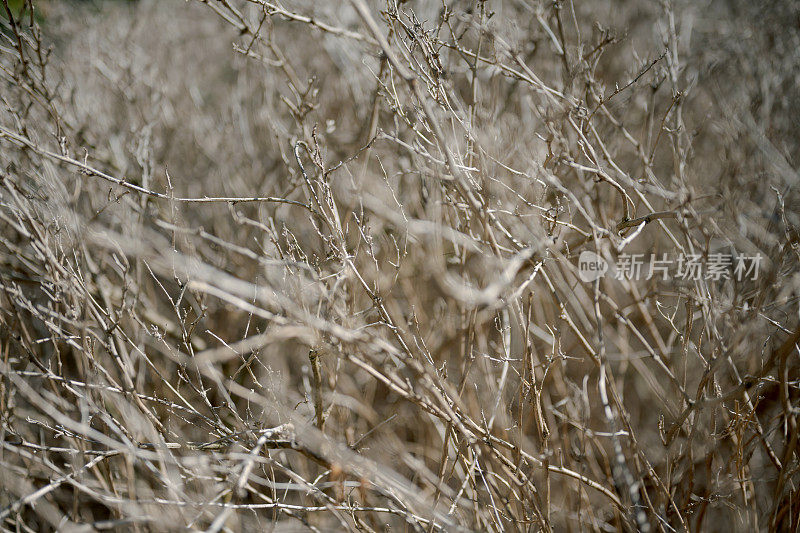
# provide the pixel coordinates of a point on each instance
(326, 278)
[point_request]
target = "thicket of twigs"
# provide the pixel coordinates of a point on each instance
(314, 265)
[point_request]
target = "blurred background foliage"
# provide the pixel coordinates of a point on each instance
(21, 8)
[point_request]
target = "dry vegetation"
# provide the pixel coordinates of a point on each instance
(313, 265)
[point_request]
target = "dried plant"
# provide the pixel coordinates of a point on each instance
(317, 265)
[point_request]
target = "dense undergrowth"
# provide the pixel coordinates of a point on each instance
(316, 265)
